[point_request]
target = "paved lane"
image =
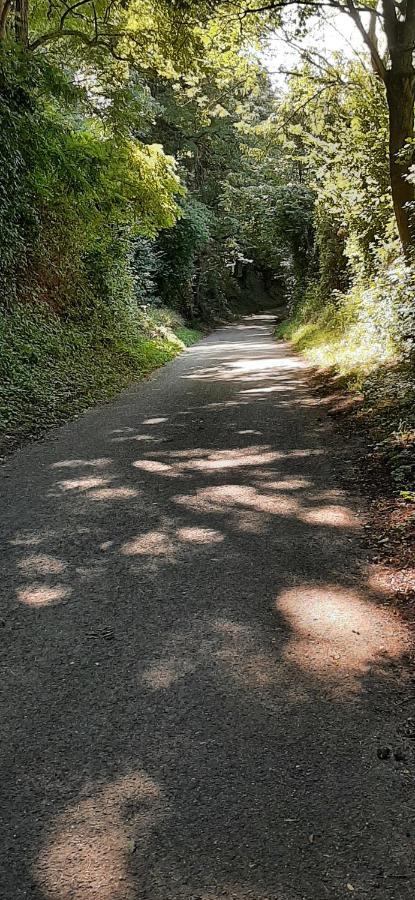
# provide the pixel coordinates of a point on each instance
(196, 672)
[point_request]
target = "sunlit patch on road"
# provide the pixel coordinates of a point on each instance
(337, 632)
(41, 564)
(87, 854)
(43, 594)
(333, 516)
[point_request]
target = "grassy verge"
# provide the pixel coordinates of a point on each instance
(380, 385)
(51, 370)
(187, 335)
(371, 392)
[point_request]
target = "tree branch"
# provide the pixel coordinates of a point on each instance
(62, 33)
(311, 4)
(95, 22)
(377, 61)
(70, 9)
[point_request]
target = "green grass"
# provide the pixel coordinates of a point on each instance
(357, 360)
(51, 370)
(188, 336)
(353, 354)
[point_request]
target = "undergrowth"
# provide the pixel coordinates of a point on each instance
(52, 369)
(363, 342)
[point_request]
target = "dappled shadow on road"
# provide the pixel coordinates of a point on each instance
(200, 670)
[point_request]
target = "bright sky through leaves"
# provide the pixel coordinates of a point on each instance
(333, 34)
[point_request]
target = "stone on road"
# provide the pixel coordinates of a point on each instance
(197, 673)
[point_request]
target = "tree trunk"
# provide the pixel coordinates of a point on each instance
(400, 92)
(4, 12)
(399, 26)
(21, 22)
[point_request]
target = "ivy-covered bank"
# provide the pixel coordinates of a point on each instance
(51, 370)
(118, 244)
(111, 250)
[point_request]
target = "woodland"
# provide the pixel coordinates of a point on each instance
(154, 180)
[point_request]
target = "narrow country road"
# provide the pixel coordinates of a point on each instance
(197, 674)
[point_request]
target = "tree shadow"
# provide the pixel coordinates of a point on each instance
(199, 674)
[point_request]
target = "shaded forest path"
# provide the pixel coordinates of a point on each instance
(197, 674)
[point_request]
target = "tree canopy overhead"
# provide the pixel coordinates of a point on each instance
(394, 22)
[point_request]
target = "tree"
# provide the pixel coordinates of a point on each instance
(334, 125)
(396, 70)
(138, 31)
(396, 18)
(169, 34)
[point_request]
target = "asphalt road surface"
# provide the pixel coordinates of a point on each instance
(198, 677)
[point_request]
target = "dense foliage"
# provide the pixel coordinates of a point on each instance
(358, 279)
(150, 176)
(114, 156)
(356, 313)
